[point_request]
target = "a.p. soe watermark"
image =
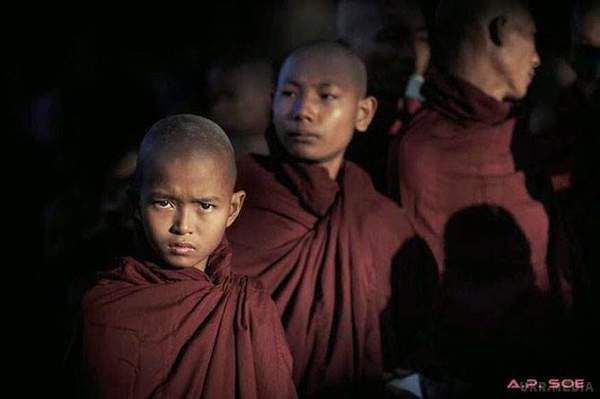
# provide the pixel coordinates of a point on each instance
(550, 385)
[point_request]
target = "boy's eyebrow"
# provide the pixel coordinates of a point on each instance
(160, 193)
(164, 194)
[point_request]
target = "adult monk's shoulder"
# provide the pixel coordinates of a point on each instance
(253, 168)
(379, 215)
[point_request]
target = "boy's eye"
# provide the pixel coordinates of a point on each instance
(161, 204)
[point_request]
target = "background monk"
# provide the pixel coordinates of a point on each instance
(239, 92)
(392, 40)
(315, 231)
(174, 321)
(457, 151)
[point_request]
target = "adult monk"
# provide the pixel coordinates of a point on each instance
(391, 38)
(174, 321)
(457, 151)
(315, 231)
(456, 154)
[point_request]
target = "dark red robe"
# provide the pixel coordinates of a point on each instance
(456, 153)
(504, 275)
(149, 331)
(324, 250)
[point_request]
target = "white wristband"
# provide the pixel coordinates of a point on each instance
(413, 87)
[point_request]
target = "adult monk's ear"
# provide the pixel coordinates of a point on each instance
(235, 206)
(366, 110)
(497, 30)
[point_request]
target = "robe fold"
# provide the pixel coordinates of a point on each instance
(149, 331)
(456, 153)
(324, 249)
(504, 270)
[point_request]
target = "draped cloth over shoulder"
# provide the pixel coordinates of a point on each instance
(324, 250)
(504, 265)
(157, 332)
(457, 153)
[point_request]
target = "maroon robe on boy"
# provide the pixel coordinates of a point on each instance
(324, 250)
(150, 331)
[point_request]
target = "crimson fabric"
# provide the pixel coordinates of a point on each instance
(411, 106)
(494, 301)
(324, 250)
(153, 331)
(457, 153)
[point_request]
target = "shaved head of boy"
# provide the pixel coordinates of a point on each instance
(319, 102)
(185, 179)
(223, 333)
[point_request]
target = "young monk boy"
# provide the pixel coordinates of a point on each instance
(316, 233)
(174, 321)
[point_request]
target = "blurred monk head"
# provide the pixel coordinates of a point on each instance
(488, 43)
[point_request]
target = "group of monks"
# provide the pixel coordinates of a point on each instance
(290, 275)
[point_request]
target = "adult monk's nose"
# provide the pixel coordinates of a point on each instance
(304, 107)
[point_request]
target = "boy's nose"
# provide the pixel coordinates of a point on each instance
(182, 223)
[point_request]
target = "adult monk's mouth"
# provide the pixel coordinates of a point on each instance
(303, 137)
(181, 248)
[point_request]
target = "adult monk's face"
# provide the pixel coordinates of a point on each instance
(316, 107)
(186, 204)
(520, 55)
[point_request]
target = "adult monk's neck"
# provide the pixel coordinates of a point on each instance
(481, 75)
(333, 166)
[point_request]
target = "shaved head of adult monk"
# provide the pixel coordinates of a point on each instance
(185, 179)
(488, 43)
(320, 101)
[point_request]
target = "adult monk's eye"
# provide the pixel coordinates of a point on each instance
(207, 206)
(288, 93)
(328, 96)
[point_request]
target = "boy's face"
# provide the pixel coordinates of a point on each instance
(185, 204)
(317, 106)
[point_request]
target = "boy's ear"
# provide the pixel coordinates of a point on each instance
(498, 29)
(366, 110)
(237, 200)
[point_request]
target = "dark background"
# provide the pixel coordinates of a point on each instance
(85, 82)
